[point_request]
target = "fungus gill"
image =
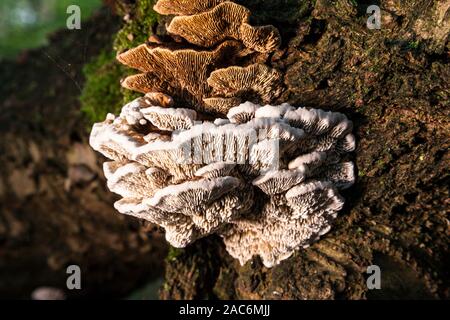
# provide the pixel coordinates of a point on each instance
(266, 178)
(266, 186)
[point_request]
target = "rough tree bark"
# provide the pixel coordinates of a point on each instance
(394, 84)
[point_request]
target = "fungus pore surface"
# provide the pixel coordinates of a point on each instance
(217, 67)
(266, 178)
(226, 20)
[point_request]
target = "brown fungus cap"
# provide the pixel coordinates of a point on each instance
(137, 58)
(158, 99)
(255, 81)
(184, 7)
(227, 20)
(221, 105)
(147, 82)
(261, 39)
(181, 73)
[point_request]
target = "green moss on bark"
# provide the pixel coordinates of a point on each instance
(138, 26)
(102, 93)
(173, 254)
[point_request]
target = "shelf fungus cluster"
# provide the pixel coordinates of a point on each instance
(213, 69)
(266, 178)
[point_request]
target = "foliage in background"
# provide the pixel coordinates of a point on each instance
(25, 24)
(102, 93)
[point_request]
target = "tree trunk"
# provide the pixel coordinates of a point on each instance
(393, 84)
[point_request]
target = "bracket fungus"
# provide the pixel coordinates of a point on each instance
(256, 82)
(266, 178)
(185, 7)
(215, 69)
(224, 21)
(263, 179)
(181, 73)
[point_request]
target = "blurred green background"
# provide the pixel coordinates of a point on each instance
(25, 24)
